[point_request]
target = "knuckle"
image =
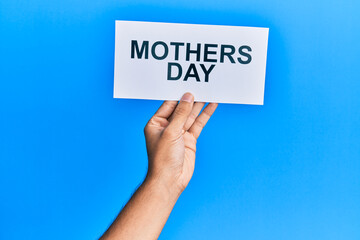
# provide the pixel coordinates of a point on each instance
(168, 104)
(200, 123)
(207, 112)
(182, 110)
(147, 128)
(168, 133)
(193, 115)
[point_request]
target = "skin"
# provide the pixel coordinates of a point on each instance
(171, 136)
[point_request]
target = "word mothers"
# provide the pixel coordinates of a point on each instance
(211, 53)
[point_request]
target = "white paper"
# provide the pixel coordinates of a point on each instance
(240, 82)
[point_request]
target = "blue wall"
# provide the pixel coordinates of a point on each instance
(71, 155)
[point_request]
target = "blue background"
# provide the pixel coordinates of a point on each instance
(71, 155)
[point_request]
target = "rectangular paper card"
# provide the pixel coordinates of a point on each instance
(224, 64)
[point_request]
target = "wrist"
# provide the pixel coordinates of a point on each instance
(165, 186)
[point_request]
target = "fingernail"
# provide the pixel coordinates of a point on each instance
(187, 97)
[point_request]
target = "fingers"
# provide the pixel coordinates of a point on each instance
(186, 114)
(202, 119)
(166, 109)
(193, 115)
(181, 113)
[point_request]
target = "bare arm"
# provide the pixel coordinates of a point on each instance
(171, 136)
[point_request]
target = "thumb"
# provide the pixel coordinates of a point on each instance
(181, 113)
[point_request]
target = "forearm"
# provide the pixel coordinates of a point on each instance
(145, 215)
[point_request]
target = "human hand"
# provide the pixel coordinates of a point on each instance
(171, 136)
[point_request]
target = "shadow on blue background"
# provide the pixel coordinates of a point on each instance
(71, 155)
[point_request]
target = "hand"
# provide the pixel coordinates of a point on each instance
(171, 136)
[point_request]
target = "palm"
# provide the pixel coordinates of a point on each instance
(189, 157)
(173, 147)
(181, 150)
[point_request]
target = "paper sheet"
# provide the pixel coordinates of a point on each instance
(224, 64)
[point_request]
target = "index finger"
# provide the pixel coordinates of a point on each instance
(166, 109)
